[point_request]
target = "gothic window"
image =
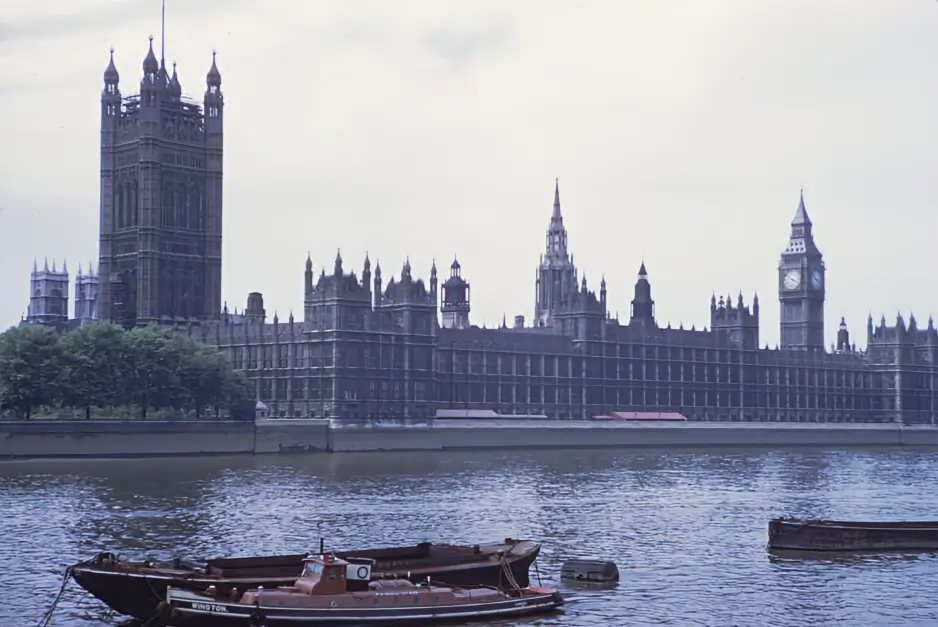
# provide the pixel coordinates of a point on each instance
(55, 307)
(195, 208)
(179, 202)
(119, 205)
(133, 209)
(166, 205)
(182, 287)
(126, 202)
(167, 293)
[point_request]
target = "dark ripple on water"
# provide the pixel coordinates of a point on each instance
(687, 529)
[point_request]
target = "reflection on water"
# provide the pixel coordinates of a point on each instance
(687, 529)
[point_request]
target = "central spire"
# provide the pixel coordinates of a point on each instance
(556, 217)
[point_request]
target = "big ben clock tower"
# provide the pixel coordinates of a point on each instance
(801, 285)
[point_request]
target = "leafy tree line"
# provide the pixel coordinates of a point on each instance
(103, 366)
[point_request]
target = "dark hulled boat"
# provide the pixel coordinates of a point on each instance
(136, 588)
(797, 534)
(334, 591)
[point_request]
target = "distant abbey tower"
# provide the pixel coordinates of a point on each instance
(161, 198)
(48, 294)
(86, 294)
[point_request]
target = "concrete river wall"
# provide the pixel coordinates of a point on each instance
(108, 438)
(123, 438)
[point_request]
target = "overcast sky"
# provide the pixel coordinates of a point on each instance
(681, 132)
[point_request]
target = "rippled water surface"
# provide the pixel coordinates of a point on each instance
(688, 530)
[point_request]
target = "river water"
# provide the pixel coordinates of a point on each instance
(687, 529)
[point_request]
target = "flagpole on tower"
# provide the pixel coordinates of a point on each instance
(163, 36)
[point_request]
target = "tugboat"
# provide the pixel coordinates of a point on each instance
(334, 591)
(136, 588)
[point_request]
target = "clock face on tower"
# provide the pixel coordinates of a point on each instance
(816, 279)
(792, 279)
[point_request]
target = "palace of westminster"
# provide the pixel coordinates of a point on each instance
(373, 345)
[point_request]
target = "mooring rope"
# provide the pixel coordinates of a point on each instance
(47, 617)
(160, 612)
(510, 576)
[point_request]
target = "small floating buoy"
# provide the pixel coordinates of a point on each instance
(589, 571)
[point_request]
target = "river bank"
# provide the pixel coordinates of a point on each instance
(112, 438)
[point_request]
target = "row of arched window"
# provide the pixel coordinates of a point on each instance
(126, 206)
(180, 207)
(179, 293)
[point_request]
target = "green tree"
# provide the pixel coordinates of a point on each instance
(237, 396)
(95, 358)
(156, 359)
(205, 375)
(30, 368)
(102, 365)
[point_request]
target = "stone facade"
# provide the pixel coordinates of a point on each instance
(369, 350)
(364, 348)
(161, 199)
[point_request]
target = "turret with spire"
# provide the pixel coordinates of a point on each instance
(643, 305)
(843, 337)
(175, 88)
(366, 278)
(455, 307)
(308, 277)
(110, 103)
(213, 106)
(152, 83)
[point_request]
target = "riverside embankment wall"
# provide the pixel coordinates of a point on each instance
(151, 438)
(123, 438)
(600, 434)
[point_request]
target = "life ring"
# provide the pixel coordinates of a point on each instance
(362, 572)
(258, 618)
(333, 604)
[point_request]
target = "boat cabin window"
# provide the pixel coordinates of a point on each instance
(335, 573)
(312, 568)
